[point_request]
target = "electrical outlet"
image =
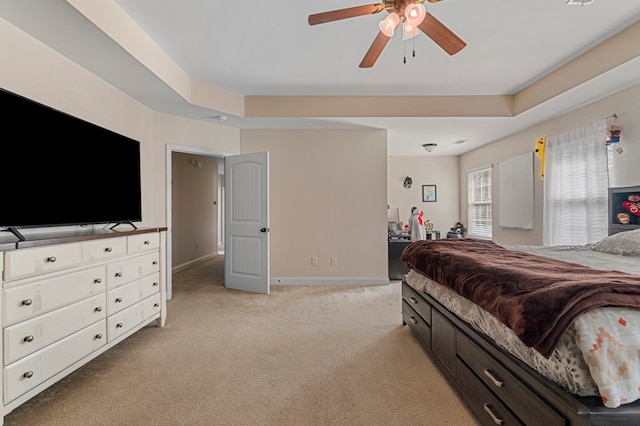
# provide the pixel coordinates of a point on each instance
(333, 261)
(314, 261)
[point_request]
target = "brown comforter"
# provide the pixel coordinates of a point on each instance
(537, 297)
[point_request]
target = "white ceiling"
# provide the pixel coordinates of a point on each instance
(268, 48)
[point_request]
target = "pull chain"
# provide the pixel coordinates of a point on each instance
(413, 40)
(404, 42)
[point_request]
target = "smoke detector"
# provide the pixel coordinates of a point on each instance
(429, 146)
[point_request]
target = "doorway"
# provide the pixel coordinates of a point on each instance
(195, 240)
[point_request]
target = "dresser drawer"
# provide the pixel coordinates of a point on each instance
(23, 301)
(131, 269)
(104, 248)
(125, 320)
(29, 336)
(29, 372)
(417, 302)
(126, 295)
(484, 404)
(34, 261)
(418, 326)
(143, 242)
(524, 403)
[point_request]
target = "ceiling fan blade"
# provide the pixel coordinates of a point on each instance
(350, 12)
(375, 50)
(441, 35)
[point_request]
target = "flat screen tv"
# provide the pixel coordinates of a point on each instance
(60, 170)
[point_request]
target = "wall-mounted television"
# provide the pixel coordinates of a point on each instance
(60, 170)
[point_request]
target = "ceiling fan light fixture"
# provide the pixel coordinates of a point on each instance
(388, 25)
(409, 31)
(415, 13)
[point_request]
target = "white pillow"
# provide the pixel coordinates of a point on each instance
(626, 243)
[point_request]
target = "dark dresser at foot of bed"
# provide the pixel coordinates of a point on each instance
(497, 387)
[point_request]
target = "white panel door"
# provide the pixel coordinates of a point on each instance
(246, 248)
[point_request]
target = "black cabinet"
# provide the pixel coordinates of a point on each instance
(397, 270)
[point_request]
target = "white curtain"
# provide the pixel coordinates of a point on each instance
(576, 186)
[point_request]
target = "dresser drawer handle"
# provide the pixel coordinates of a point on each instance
(28, 375)
(491, 377)
(118, 274)
(108, 249)
(495, 419)
(99, 336)
(97, 281)
(156, 284)
(147, 242)
(413, 300)
(51, 259)
(98, 309)
(28, 339)
(155, 262)
(119, 325)
(413, 320)
(119, 300)
(27, 302)
(155, 305)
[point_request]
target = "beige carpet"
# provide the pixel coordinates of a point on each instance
(303, 355)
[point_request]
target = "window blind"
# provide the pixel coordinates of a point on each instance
(479, 203)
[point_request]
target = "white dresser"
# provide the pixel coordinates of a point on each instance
(67, 300)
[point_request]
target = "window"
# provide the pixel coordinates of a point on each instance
(575, 186)
(479, 202)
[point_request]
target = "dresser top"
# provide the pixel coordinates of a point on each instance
(8, 242)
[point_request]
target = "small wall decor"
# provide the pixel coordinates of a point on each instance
(429, 193)
(407, 182)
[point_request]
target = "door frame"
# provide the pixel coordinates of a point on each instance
(168, 197)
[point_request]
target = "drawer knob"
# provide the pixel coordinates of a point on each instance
(155, 262)
(99, 336)
(51, 259)
(28, 339)
(28, 375)
(414, 320)
(98, 308)
(495, 419)
(118, 274)
(119, 325)
(156, 284)
(147, 242)
(155, 305)
(97, 280)
(108, 249)
(413, 300)
(27, 302)
(119, 300)
(493, 379)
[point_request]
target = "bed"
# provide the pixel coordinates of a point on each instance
(532, 335)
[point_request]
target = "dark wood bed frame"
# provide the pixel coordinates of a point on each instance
(497, 387)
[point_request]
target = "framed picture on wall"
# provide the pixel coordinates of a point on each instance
(429, 193)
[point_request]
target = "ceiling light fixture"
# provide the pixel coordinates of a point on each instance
(429, 146)
(578, 2)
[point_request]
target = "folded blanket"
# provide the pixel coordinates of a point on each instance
(537, 297)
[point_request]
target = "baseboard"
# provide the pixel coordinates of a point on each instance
(192, 262)
(328, 281)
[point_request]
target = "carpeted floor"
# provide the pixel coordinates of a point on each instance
(303, 355)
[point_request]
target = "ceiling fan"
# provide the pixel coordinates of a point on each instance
(413, 16)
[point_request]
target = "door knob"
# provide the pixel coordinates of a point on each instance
(263, 229)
